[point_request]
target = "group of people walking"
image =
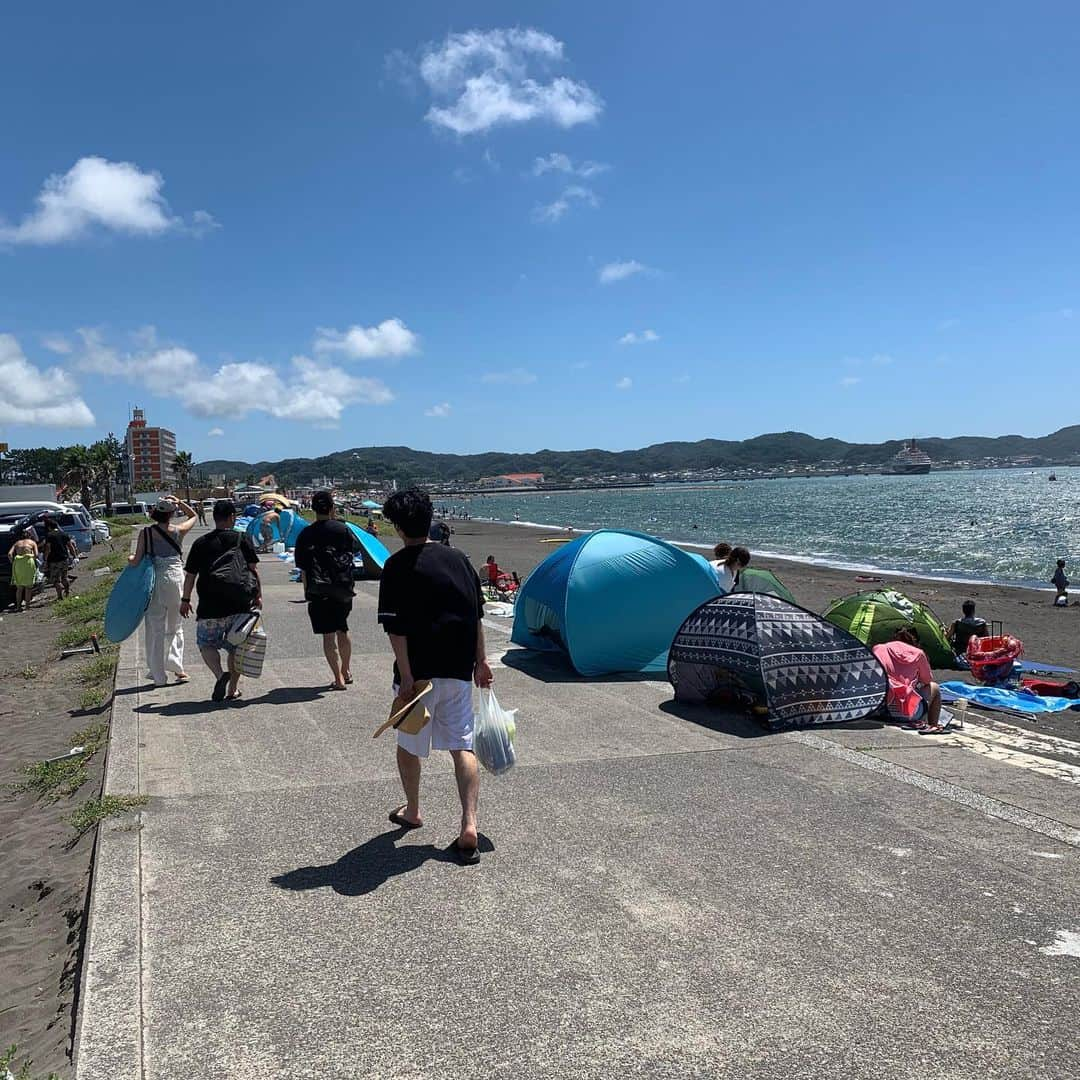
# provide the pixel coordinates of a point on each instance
(430, 606)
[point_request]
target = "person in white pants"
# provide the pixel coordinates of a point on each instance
(163, 627)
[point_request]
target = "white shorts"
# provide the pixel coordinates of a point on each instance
(451, 723)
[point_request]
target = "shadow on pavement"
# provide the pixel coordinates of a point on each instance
(743, 727)
(281, 695)
(554, 667)
(365, 868)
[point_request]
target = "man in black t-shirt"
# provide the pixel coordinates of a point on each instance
(431, 606)
(324, 557)
(59, 549)
(220, 602)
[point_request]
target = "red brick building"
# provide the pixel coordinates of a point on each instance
(151, 452)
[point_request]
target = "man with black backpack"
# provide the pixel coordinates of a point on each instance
(221, 565)
(324, 557)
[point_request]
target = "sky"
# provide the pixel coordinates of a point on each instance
(284, 230)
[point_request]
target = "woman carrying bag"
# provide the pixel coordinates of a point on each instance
(164, 630)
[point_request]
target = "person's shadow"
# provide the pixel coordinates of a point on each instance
(368, 866)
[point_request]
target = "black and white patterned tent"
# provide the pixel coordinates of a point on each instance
(748, 649)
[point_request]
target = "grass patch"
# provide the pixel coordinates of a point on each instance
(29, 672)
(84, 614)
(118, 527)
(7, 1060)
(54, 780)
(99, 670)
(95, 811)
(117, 560)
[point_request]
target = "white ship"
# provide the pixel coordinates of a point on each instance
(911, 461)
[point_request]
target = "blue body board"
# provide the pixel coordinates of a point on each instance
(128, 600)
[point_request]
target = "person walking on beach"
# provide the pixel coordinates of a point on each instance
(222, 565)
(370, 527)
(431, 607)
(728, 573)
(59, 549)
(200, 512)
(1061, 583)
(324, 557)
(24, 555)
(914, 697)
(163, 628)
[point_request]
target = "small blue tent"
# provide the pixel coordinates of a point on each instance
(612, 600)
(375, 551)
(292, 525)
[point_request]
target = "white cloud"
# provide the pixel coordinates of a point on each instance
(391, 338)
(643, 338)
(482, 79)
(620, 271)
(682, 378)
(112, 195)
(308, 390)
(56, 343)
(44, 398)
(948, 324)
(624, 383)
(215, 433)
(514, 377)
(553, 212)
(850, 380)
(441, 410)
(564, 164)
(1067, 312)
(881, 360)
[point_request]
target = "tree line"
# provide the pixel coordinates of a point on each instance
(94, 471)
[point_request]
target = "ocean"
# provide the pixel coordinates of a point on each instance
(1003, 526)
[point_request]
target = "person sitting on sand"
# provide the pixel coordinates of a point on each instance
(914, 697)
(24, 554)
(370, 527)
(720, 552)
(961, 631)
(1061, 583)
(728, 574)
(491, 568)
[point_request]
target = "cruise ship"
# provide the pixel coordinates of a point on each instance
(911, 461)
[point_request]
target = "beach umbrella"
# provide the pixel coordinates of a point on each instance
(875, 616)
(274, 497)
(370, 504)
(754, 650)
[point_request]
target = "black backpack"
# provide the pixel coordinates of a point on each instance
(331, 574)
(231, 580)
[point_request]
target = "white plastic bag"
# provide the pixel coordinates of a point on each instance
(251, 654)
(242, 625)
(493, 734)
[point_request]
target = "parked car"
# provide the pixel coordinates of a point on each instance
(135, 509)
(75, 525)
(101, 530)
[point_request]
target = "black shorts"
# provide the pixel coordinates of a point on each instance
(329, 616)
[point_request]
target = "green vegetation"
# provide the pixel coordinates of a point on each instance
(384, 528)
(96, 810)
(54, 780)
(7, 1060)
(118, 527)
(378, 466)
(29, 672)
(84, 614)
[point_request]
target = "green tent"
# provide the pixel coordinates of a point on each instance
(751, 579)
(874, 617)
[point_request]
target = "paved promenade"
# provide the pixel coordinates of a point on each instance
(662, 892)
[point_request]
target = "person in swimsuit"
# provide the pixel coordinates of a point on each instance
(24, 554)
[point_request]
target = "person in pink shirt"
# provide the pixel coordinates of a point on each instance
(913, 694)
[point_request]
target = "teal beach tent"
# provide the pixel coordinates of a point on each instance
(611, 600)
(375, 551)
(371, 504)
(292, 525)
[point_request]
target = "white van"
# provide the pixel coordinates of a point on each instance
(135, 509)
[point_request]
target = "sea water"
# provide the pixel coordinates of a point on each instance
(995, 525)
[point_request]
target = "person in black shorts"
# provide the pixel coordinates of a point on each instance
(324, 557)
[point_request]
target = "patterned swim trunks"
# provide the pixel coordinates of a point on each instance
(211, 633)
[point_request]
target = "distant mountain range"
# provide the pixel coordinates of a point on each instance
(378, 465)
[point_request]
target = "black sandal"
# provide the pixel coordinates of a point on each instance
(466, 856)
(220, 687)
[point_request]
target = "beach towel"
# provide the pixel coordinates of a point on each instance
(23, 571)
(1022, 702)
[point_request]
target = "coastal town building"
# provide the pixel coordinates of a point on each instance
(151, 454)
(512, 480)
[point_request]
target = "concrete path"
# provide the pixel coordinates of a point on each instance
(663, 892)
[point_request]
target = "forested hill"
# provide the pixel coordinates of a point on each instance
(377, 464)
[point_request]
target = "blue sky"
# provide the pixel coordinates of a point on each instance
(285, 230)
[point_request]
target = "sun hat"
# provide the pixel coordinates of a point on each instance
(164, 506)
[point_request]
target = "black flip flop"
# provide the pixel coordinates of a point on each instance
(403, 823)
(466, 856)
(220, 687)
(348, 680)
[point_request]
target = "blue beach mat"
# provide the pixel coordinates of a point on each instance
(1034, 667)
(128, 600)
(1023, 702)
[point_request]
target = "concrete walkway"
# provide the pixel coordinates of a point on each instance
(664, 893)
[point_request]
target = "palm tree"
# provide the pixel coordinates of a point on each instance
(183, 466)
(78, 469)
(107, 456)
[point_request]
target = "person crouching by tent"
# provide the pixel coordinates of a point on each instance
(914, 697)
(267, 522)
(324, 557)
(719, 554)
(727, 574)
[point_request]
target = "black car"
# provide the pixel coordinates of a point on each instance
(7, 541)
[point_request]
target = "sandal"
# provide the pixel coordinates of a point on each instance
(465, 856)
(220, 687)
(403, 822)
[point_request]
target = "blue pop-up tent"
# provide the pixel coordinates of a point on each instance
(375, 551)
(611, 600)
